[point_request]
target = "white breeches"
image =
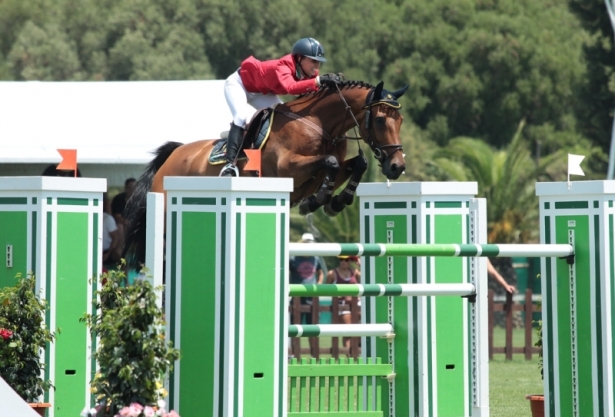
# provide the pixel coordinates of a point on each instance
(243, 105)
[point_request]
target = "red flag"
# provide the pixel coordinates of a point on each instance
(254, 160)
(69, 160)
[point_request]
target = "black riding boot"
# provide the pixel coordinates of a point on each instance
(233, 143)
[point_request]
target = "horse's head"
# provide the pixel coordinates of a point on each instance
(381, 129)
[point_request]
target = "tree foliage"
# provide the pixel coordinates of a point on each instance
(475, 68)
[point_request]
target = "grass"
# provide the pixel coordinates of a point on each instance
(509, 381)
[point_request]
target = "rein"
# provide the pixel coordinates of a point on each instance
(379, 150)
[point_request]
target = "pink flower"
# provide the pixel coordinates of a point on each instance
(172, 413)
(149, 411)
(5, 334)
(135, 409)
(125, 412)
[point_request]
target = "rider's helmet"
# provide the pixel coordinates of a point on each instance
(309, 47)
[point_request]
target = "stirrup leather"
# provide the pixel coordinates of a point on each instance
(229, 170)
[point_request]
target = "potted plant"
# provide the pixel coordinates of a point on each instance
(23, 337)
(537, 401)
(133, 354)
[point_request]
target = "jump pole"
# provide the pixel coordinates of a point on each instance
(578, 299)
(52, 227)
(226, 294)
(439, 353)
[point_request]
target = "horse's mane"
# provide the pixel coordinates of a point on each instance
(342, 85)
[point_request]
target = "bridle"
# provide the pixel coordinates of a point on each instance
(381, 152)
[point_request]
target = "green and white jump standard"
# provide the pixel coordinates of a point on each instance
(226, 294)
(52, 227)
(578, 299)
(439, 353)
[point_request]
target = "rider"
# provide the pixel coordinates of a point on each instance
(257, 84)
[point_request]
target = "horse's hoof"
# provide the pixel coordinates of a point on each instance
(329, 211)
(304, 207)
(308, 205)
(346, 198)
(335, 207)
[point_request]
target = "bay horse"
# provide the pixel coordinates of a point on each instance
(306, 142)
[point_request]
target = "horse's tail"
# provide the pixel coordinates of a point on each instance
(136, 206)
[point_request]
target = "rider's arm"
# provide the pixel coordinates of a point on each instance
(285, 71)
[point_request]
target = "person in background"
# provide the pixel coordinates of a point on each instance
(257, 84)
(493, 273)
(52, 171)
(117, 208)
(345, 274)
(110, 242)
(306, 270)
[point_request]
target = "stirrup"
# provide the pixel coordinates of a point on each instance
(229, 170)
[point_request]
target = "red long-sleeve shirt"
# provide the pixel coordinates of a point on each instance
(277, 76)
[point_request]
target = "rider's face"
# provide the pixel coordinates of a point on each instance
(309, 66)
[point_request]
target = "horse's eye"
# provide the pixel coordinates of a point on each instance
(380, 120)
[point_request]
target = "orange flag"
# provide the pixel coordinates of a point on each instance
(254, 160)
(69, 160)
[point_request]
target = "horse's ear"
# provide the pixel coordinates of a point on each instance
(378, 91)
(400, 92)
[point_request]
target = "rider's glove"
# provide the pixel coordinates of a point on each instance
(329, 80)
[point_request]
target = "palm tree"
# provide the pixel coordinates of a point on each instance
(506, 178)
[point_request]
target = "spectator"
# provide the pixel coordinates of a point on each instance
(52, 171)
(345, 274)
(493, 273)
(306, 270)
(119, 201)
(110, 242)
(117, 209)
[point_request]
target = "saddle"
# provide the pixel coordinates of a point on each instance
(255, 137)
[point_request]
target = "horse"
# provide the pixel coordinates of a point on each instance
(306, 142)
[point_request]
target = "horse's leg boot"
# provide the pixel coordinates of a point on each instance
(233, 143)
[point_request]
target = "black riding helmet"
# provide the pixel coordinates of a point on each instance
(311, 48)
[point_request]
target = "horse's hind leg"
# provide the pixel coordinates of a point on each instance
(355, 168)
(325, 192)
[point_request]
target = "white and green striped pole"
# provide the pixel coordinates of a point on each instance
(439, 353)
(434, 249)
(226, 294)
(578, 299)
(52, 227)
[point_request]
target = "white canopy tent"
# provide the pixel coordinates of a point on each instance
(114, 126)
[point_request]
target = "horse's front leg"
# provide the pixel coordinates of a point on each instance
(353, 168)
(331, 168)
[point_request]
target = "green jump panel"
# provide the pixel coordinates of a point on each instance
(578, 298)
(227, 257)
(51, 227)
(431, 350)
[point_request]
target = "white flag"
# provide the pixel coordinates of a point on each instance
(574, 164)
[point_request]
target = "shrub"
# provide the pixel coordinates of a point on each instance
(23, 337)
(132, 355)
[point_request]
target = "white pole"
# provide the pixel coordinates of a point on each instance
(154, 250)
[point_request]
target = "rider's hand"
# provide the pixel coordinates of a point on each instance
(329, 80)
